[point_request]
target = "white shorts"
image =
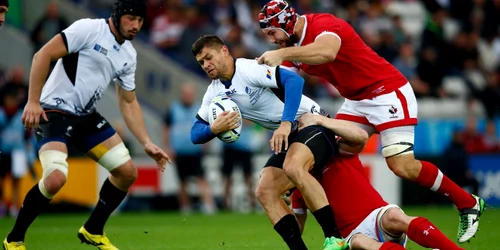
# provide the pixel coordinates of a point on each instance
(395, 109)
(371, 227)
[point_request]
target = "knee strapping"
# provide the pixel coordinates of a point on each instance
(52, 160)
(115, 157)
(397, 144)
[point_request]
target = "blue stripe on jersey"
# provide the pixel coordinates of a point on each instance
(200, 132)
(293, 84)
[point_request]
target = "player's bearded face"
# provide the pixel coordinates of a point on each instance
(279, 37)
(130, 25)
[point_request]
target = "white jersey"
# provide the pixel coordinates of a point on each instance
(94, 59)
(255, 90)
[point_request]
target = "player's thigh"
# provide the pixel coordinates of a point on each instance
(350, 112)
(53, 134)
(395, 109)
(311, 149)
(273, 179)
(96, 137)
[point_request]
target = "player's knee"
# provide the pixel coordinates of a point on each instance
(126, 174)
(55, 172)
(356, 241)
(395, 221)
(266, 188)
(116, 157)
(404, 166)
(294, 170)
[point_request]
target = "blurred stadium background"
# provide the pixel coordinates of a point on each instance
(448, 49)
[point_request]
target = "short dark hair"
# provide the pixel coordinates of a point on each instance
(206, 41)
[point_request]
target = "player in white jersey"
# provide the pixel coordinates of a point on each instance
(91, 53)
(271, 97)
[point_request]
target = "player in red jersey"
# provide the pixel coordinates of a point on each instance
(367, 221)
(378, 97)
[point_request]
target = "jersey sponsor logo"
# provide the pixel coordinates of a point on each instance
(100, 49)
(59, 101)
(230, 92)
(268, 74)
(116, 48)
(100, 124)
(254, 94)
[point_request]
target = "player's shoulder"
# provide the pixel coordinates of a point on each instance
(242, 64)
(321, 18)
(129, 48)
(90, 23)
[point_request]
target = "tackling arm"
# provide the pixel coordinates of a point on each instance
(132, 114)
(323, 50)
(352, 138)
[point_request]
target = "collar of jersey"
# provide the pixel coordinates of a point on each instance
(109, 26)
(228, 84)
(303, 31)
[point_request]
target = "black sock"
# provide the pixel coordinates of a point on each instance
(288, 228)
(326, 219)
(33, 204)
(109, 199)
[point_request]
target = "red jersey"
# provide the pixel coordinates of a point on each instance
(349, 193)
(357, 71)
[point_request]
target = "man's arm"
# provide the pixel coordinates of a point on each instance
(323, 50)
(52, 51)
(132, 114)
(352, 138)
(201, 132)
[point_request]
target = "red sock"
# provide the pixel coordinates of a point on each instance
(391, 246)
(431, 177)
(424, 233)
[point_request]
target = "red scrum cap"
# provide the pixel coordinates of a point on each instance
(278, 14)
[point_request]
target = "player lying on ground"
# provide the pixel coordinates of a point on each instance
(90, 54)
(366, 221)
(271, 97)
(378, 97)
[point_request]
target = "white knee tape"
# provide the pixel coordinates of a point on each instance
(52, 160)
(115, 157)
(397, 144)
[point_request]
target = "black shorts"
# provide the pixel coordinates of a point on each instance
(188, 165)
(83, 132)
(232, 157)
(5, 164)
(319, 140)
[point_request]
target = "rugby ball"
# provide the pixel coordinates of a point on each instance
(218, 105)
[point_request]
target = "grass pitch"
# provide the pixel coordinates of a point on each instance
(149, 231)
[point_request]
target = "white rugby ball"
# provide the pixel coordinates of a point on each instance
(218, 105)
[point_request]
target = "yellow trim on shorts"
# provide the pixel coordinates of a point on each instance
(97, 152)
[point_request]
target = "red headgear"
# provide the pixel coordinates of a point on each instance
(278, 14)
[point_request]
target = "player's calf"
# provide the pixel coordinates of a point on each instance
(123, 174)
(362, 242)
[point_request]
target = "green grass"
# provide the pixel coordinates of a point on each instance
(223, 231)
